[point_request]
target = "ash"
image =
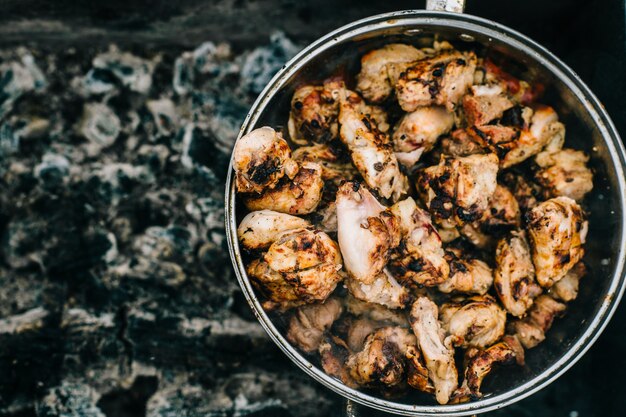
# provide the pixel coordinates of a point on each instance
(117, 296)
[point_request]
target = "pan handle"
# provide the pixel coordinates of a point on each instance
(456, 6)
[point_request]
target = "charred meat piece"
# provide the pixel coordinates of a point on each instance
(479, 366)
(370, 148)
(376, 79)
(566, 289)
(336, 167)
(458, 190)
(438, 352)
(515, 274)
(418, 131)
(468, 275)
(440, 80)
(557, 231)
(301, 195)
(314, 112)
(461, 143)
(520, 91)
(419, 259)
(301, 267)
(374, 312)
(564, 173)
(477, 321)
(367, 232)
(259, 229)
(485, 103)
(524, 191)
(502, 215)
(333, 356)
(531, 330)
(385, 290)
(383, 359)
(309, 323)
(261, 159)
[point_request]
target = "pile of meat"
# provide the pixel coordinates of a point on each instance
(439, 194)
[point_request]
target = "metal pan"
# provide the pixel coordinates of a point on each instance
(589, 128)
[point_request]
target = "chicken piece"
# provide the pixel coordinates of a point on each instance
(460, 143)
(333, 356)
(564, 173)
(513, 145)
(367, 232)
(335, 163)
(502, 216)
(309, 323)
(358, 331)
(477, 321)
(383, 359)
(325, 218)
(448, 233)
(298, 196)
(458, 189)
(259, 229)
(417, 373)
(468, 275)
(485, 104)
(418, 131)
(441, 80)
(520, 91)
(301, 267)
(419, 259)
(385, 290)
(566, 289)
(515, 274)
(531, 330)
(516, 346)
(370, 149)
(479, 366)
(374, 312)
(525, 192)
(314, 112)
(438, 352)
(261, 159)
(557, 231)
(376, 79)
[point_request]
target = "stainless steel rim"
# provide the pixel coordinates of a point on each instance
(517, 41)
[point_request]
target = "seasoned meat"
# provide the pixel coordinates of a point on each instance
(314, 112)
(259, 229)
(458, 189)
(419, 259)
(302, 265)
(385, 290)
(441, 80)
(477, 321)
(564, 173)
(375, 312)
(301, 195)
(335, 167)
(515, 274)
(325, 218)
(566, 289)
(418, 131)
(468, 275)
(479, 366)
(520, 91)
(524, 191)
(501, 216)
(438, 352)
(367, 232)
(370, 149)
(261, 159)
(460, 143)
(309, 323)
(333, 356)
(417, 373)
(485, 103)
(557, 231)
(376, 79)
(382, 361)
(531, 329)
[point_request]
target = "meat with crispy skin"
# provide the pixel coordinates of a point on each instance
(564, 173)
(485, 103)
(419, 259)
(261, 158)
(437, 351)
(336, 166)
(314, 112)
(515, 274)
(557, 230)
(531, 330)
(259, 229)
(385, 290)
(476, 321)
(468, 274)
